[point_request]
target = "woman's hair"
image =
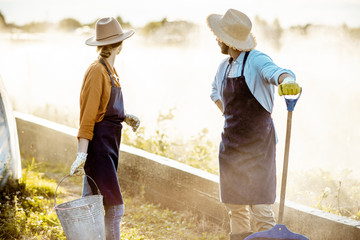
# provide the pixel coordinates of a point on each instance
(105, 51)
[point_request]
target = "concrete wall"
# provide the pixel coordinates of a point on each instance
(174, 185)
(46, 141)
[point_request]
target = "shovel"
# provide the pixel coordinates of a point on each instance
(280, 231)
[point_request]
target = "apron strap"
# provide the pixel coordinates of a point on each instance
(243, 66)
(227, 68)
(112, 80)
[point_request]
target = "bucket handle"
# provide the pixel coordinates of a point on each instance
(98, 190)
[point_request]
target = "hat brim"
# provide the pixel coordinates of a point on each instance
(93, 42)
(213, 22)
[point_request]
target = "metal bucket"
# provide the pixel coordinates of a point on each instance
(82, 218)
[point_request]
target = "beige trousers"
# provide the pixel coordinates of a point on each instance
(262, 218)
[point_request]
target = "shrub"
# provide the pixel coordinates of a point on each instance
(69, 24)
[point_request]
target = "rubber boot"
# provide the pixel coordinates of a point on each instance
(239, 236)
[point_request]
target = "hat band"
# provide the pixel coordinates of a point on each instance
(99, 39)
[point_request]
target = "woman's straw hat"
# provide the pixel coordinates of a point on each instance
(108, 31)
(233, 29)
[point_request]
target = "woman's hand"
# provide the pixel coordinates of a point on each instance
(77, 168)
(132, 121)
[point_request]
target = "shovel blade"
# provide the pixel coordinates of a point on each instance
(279, 231)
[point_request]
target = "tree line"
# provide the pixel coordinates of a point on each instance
(66, 25)
(171, 28)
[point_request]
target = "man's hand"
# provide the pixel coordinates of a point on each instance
(289, 87)
(219, 104)
(77, 168)
(132, 121)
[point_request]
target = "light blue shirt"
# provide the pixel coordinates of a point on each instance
(261, 74)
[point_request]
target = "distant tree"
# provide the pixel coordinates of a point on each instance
(69, 24)
(353, 32)
(151, 27)
(277, 26)
(260, 22)
(36, 27)
(92, 24)
(123, 24)
(2, 21)
(118, 18)
(272, 32)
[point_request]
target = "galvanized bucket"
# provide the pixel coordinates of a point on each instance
(82, 218)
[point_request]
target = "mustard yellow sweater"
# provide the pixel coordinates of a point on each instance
(94, 97)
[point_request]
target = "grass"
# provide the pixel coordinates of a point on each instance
(26, 209)
(26, 212)
(152, 222)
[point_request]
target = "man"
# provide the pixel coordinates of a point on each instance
(243, 89)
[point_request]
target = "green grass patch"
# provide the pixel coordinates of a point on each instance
(26, 212)
(26, 209)
(152, 222)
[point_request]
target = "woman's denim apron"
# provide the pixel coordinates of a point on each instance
(103, 150)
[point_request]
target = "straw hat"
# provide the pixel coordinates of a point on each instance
(108, 31)
(233, 29)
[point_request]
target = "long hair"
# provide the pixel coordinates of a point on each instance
(105, 51)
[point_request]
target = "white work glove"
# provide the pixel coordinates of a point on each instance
(77, 168)
(132, 121)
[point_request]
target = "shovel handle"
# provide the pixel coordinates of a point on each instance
(98, 190)
(290, 104)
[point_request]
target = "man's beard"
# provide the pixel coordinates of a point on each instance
(224, 49)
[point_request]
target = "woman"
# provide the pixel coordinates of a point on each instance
(101, 114)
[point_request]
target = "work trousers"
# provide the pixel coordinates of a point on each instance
(262, 218)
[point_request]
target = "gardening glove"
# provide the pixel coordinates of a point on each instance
(132, 121)
(77, 168)
(289, 87)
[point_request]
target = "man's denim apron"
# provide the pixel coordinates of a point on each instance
(247, 148)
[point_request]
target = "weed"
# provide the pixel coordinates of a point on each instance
(333, 193)
(198, 152)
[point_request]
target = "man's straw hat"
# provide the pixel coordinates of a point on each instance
(233, 29)
(108, 31)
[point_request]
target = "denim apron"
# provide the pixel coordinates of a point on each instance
(247, 148)
(103, 151)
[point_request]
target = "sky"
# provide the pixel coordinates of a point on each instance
(139, 12)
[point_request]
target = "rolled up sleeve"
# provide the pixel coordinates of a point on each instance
(269, 71)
